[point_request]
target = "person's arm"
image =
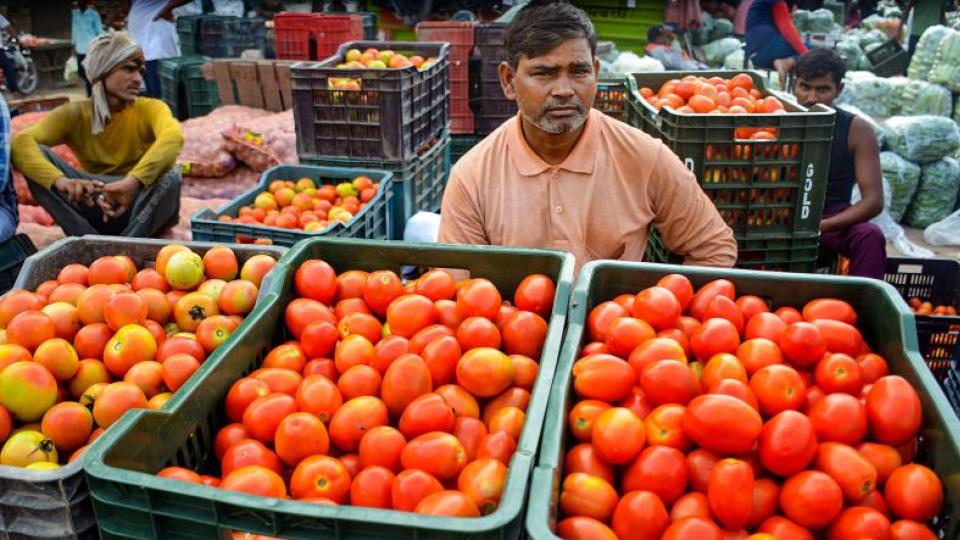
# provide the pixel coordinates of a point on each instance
(167, 11)
(866, 166)
(97, 24)
(168, 140)
(784, 23)
(25, 148)
(461, 221)
(686, 218)
(904, 15)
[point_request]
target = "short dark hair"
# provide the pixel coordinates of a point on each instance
(654, 32)
(543, 25)
(820, 62)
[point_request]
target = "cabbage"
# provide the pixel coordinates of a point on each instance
(903, 176)
(734, 60)
(946, 70)
(721, 29)
(715, 52)
(923, 139)
(629, 62)
(926, 53)
(869, 93)
(801, 18)
(820, 21)
(934, 200)
(851, 53)
(898, 87)
(921, 97)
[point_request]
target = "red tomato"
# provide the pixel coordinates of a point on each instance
(640, 515)
(856, 523)
(700, 301)
(586, 495)
(483, 481)
(409, 314)
(765, 325)
(699, 464)
(680, 286)
(692, 527)
(664, 426)
(839, 418)
(439, 454)
(875, 500)
(372, 488)
(300, 435)
(811, 498)
(583, 458)
(853, 473)
(584, 528)
(249, 452)
(724, 308)
(626, 334)
(241, 394)
(469, 431)
(524, 333)
(723, 366)
(382, 446)
(535, 293)
(778, 388)
(722, 424)
(659, 469)
(317, 280)
(906, 529)
(478, 298)
(381, 288)
(893, 410)
(766, 495)
(436, 285)
(321, 476)
(262, 417)
(693, 504)
(603, 377)
(601, 317)
(730, 492)
(653, 350)
(618, 435)
(352, 420)
(737, 389)
(829, 308)
(840, 336)
(803, 344)
(426, 413)
(872, 367)
(319, 396)
(914, 492)
(255, 480)
(750, 305)
(715, 336)
(448, 503)
(658, 307)
(788, 443)
(669, 381)
(758, 353)
(885, 459)
(839, 373)
(789, 315)
(412, 486)
(784, 529)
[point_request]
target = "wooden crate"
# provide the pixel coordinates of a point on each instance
(264, 84)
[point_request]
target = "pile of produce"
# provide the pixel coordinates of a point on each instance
(921, 307)
(702, 95)
(264, 142)
(716, 52)
(820, 21)
(406, 397)
(936, 195)
(305, 206)
(375, 59)
(923, 98)
(946, 69)
(903, 177)
(732, 419)
(928, 48)
(99, 340)
(215, 143)
(923, 139)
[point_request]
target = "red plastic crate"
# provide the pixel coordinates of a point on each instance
(294, 32)
(460, 37)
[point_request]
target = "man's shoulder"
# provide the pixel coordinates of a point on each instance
(623, 136)
(491, 149)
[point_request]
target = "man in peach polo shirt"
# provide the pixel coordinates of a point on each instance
(563, 175)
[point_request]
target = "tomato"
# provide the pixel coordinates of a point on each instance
(524, 333)
(750, 305)
(439, 454)
(811, 498)
(602, 317)
(831, 309)
(766, 495)
(582, 417)
(227, 437)
(637, 402)
(426, 413)
(318, 396)
(448, 503)
(300, 435)
(405, 379)
(387, 350)
(463, 404)
(875, 500)
(856, 523)
(360, 380)
(508, 419)
(350, 284)
(321, 476)
(669, 381)
(381, 288)
(535, 293)
(853, 473)
(412, 486)
(724, 308)
(692, 527)
(737, 389)
(584, 528)
(722, 423)
(618, 435)
(353, 419)
(247, 452)
(680, 286)
(664, 426)
(700, 301)
(409, 314)
(525, 371)
(381, 446)
(317, 280)
(659, 469)
(723, 366)
(693, 504)
(788, 443)
(640, 515)
(583, 458)
(353, 350)
(627, 301)
(436, 285)
(730, 492)
(658, 307)
(170, 347)
(653, 350)
(626, 334)
(586, 495)
(279, 380)
(784, 529)
(447, 313)
(478, 298)
(688, 325)
(255, 480)
(427, 335)
(715, 336)
(906, 529)
(676, 334)
(839, 373)
(765, 325)
(840, 336)
(364, 324)
(301, 312)
(789, 315)
(350, 306)
(758, 353)
(264, 414)
(604, 377)
(914, 492)
(839, 418)
(778, 388)
(485, 372)
(441, 357)
(893, 410)
(287, 356)
(499, 445)
(699, 464)
(372, 488)
(181, 474)
(803, 344)
(872, 367)
(885, 459)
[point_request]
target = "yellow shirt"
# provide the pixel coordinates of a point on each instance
(142, 140)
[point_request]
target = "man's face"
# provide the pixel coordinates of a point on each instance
(554, 91)
(822, 90)
(125, 80)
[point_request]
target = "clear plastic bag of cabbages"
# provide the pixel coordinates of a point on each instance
(936, 195)
(800, 19)
(903, 177)
(946, 69)
(734, 60)
(820, 21)
(868, 92)
(926, 53)
(921, 97)
(715, 52)
(721, 29)
(629, 62)
(851, 53)
(923, 139)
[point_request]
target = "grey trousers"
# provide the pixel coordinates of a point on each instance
(155, 208)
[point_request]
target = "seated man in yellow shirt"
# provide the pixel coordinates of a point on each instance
(126, 145)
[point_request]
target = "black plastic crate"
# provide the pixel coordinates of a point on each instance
(611, 98)
(12, 254)
(889, 59)
(418, 183)
(369, 20)
(188, 29)
(183, 88)
(789, 254)
(228, 37)
(936, 281)
(490, 107)
(762, 188)
(393, 115)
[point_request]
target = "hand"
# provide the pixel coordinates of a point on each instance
(76, 190)
(118, 197)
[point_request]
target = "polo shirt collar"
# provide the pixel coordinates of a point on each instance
(582, 158)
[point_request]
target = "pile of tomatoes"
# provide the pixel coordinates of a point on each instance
(98, 340)
(707, 416)
(388, 395)
(920, 307)
(303, 205)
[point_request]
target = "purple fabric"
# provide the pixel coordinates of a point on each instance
(863, 243)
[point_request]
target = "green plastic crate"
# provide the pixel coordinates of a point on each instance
(461, 144)
(624, 22)
(884, 320)
(12, 254)
(201, 95)
(183, 88)
(418, 183)
(56, 504)
(762, 188)
(791, 254)
(131, 502)
(371, 222)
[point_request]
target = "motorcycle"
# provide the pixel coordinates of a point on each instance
(27, 78)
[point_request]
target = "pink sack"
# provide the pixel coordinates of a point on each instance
(264, 142)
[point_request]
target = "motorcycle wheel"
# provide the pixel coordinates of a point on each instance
(27, 78)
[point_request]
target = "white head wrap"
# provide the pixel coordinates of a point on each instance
(107, 51)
